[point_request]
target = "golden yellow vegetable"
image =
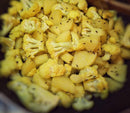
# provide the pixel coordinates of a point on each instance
(82, 59)
(57, 53)
(64, 84)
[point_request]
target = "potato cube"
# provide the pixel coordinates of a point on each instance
(67, 57)
(66, 24)
(55, 29)
(90, 43)
(41, 59)
(118, 72)
(125, 53)
(63, 84)
(28, 68)
(113, 85)
(68, 70)
(79, 90)
(48, 4)
(82, 59)
(64, 37)
(65, 99)
(40, 81)
(56, 17)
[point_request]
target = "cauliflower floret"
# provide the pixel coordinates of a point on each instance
(16, 6)
(30, 8)
(89, 30)
(45, 23)
(96, 85)
(16, 32)
(8, 23)
(81, 104)
(92, 13)
(75, 42)
(85, 74)
(56, 49)
(82, 5)
(32, 46)
(30, 25)
(113, 49)
(59, 7)
(76, 15)
(51, 69)
(33, 96)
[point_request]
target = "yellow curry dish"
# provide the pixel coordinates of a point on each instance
(62, 53)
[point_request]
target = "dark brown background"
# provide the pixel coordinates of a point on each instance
(115, 103)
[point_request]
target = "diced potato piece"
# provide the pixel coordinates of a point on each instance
(82, 59)
(106, 56)
(117, 59)
(75, 15)
(48, 4)
(101, 23)
(106, 14)
(56, 17)
(114, 34)
(68, 70)
(113, 85)
(28, 68)
(51, 35)
(55, 30)
(40, 81)
(112, 40)
(79, 90)
(63, 84)
(64, 37)
(51, 69)
(95, 85)
(103, 66)
(126, 39)
(66, 24)
(68, 7)
(7, 67)
(111, 23)
(65, 99)
(119, 26)
(76, 78)
(92, 13)
(41, 59)
(118, 72)
(82, 5)
(67, 57)
(90, 43)
(125, 53)
(18, 43)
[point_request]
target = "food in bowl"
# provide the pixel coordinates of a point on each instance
(63, 53)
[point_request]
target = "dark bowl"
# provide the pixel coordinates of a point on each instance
(115, 103)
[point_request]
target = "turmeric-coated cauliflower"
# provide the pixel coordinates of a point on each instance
(30, 8)
(56, 49)
(32, 46)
